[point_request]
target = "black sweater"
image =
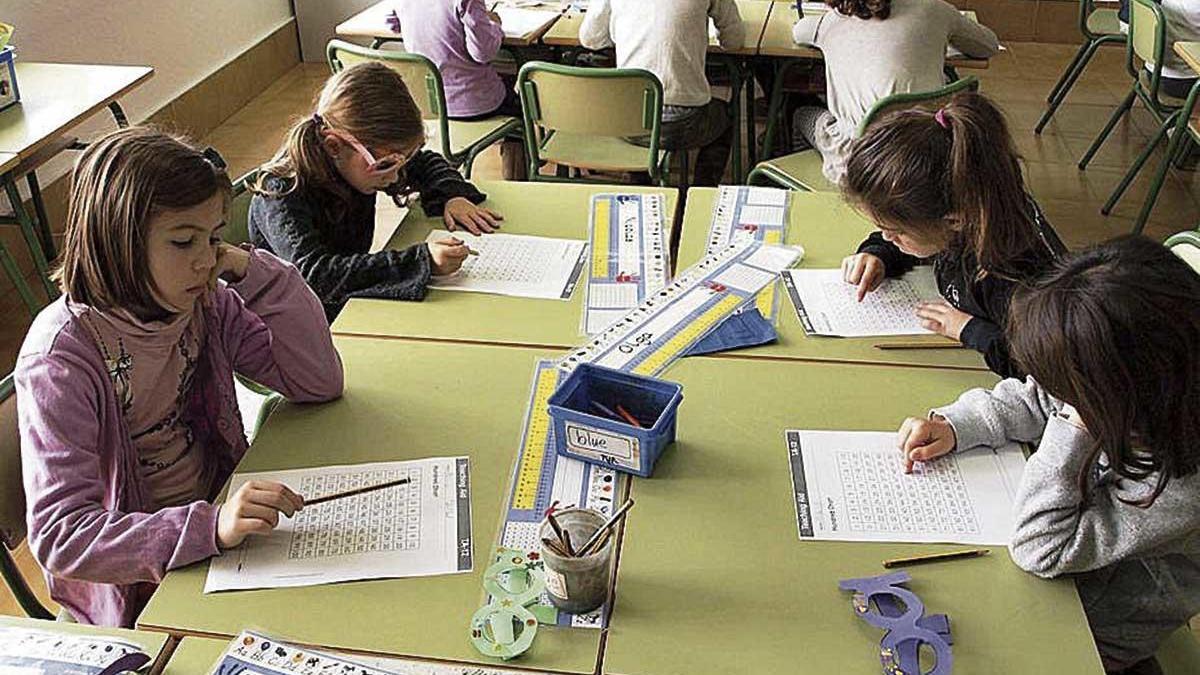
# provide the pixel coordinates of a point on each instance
(328, 238)
(985, 297)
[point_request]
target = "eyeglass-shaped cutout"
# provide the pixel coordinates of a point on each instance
(881, 602)
(376, 167)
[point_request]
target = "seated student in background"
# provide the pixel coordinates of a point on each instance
(129, 422)
(1111, 340)
(315, 201)
(1183, 25)
(462, 39)
(946, 186)
(873, 49)
(670, 39)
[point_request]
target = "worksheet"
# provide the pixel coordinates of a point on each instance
(25, 651)
(518, 22)
(851, 486)
(827, 305)
(515, 264)
(420, 528)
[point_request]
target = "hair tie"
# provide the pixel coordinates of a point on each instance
(940, 118)
(213, 157)
(318, 120)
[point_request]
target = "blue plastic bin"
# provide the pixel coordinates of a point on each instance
(586, 431)
(9, 93)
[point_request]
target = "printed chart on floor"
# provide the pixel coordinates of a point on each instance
(629, 258)
(851, 486)
(669, 323)
(515, 264)
(827, 305)
(419, 528)
(742, 212)
(26, 651)
(543, 480)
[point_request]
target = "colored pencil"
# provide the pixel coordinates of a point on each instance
(629, 418)
(355, 492)
(593, 542)
(919, 345)
(936, 557)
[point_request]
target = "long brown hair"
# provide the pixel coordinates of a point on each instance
(915, 169)
(120, 183)
(863, 9)
(367, 100)
(1115, 331)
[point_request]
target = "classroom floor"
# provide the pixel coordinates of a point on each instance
(1018, 80)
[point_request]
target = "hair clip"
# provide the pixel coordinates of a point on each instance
(214, 158)
(940, 118)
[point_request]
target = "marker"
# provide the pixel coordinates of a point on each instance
(936, 557)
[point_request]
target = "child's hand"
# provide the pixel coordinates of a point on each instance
(231, 266)
(921, 440)
(863, 270)
(254, 509)
(448, 255)
(477, 220)
(943, 319)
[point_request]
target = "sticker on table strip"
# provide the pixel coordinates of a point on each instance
(664, 327)
(757, 213)
(851, 486)
(629, 256)
(543, 479)
(48, 652)
(419, 525)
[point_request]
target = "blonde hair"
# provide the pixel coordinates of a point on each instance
(120, 183)
(367, 100)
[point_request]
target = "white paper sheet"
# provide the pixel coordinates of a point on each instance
(25, 651)
(419, 529)
(827, 305)
(851, 486)
(518, 22)
(514, 264)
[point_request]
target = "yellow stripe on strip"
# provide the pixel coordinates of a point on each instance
(673, 347)
(534, 448)
(600, 225)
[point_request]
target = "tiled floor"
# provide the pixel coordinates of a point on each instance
(1019, 80)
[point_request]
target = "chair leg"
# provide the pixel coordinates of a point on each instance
(1137, 165)
(774, 111)
(1181, 139)
(1112, 122)
(43, 221)
(735, 120)
(18, 281)
(31, 239)
(20, 589)
(1059, 86)
(751, 126)
(1068, 81)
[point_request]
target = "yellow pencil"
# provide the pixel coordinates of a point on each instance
(919, 345)
(936, 557)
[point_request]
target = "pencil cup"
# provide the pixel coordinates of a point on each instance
(577, 585)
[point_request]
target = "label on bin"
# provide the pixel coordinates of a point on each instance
(603, 446)
(556, 583)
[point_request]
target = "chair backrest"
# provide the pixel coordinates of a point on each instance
(420, 75)
(1186, 245)
(1147, 39)
(12, 493)
(237, 224)
(928, 100)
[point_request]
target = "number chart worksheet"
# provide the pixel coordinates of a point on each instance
(420, 528)
(827, 305)
(851, 486)
(515, 264)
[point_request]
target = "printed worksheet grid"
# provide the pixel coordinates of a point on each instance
(880, 498)
(894, 304)
(384, 520)
(514, 261)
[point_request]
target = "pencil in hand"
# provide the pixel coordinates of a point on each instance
(355, 492)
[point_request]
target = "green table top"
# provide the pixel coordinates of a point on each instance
(829, 230)
(1189, 52)
(195, 656)
(544, 209)
(403, 400)
(152, 643)
(714, 579)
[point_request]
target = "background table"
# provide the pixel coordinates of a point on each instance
(829, 230)
(714, 579)
(565, 31)
(371, 23)
(1190, 53)
(151, 643)
(543, 209)
(402, 401)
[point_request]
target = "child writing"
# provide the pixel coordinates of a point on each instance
(129, 421)
(462, 38)
(872, 49)
(1111, 340)
(315, 201)
(947, 186)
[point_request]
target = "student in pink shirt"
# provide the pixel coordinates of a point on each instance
(128, 418)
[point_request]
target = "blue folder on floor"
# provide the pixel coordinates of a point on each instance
(747, 329)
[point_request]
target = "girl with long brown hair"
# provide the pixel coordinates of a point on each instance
(945, 187)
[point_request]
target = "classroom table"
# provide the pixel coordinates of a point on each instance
(371, 23)
(829, 230)
(1190, 53)
(543, 209)
(9, 161)
(713, 577)
(402, 401)
(194, 656)
(151, 643)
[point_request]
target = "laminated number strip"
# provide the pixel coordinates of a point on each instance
(629, 257)
(666, 325)
(757, 213)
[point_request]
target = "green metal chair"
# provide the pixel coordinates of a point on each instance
(1185, 131)
(1186, 245)
(35, 229)
(1147, 44)
(237, 223)
(458, 141)
(12, 504)
(580, 118)
(1099, 26)
(801, 171)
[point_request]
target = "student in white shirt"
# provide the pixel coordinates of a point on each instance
(1183, 25)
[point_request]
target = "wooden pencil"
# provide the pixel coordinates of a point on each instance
(936, 557)
(355, 492)
(919, 345)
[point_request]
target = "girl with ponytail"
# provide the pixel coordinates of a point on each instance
(945, 187)
(315, 200)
